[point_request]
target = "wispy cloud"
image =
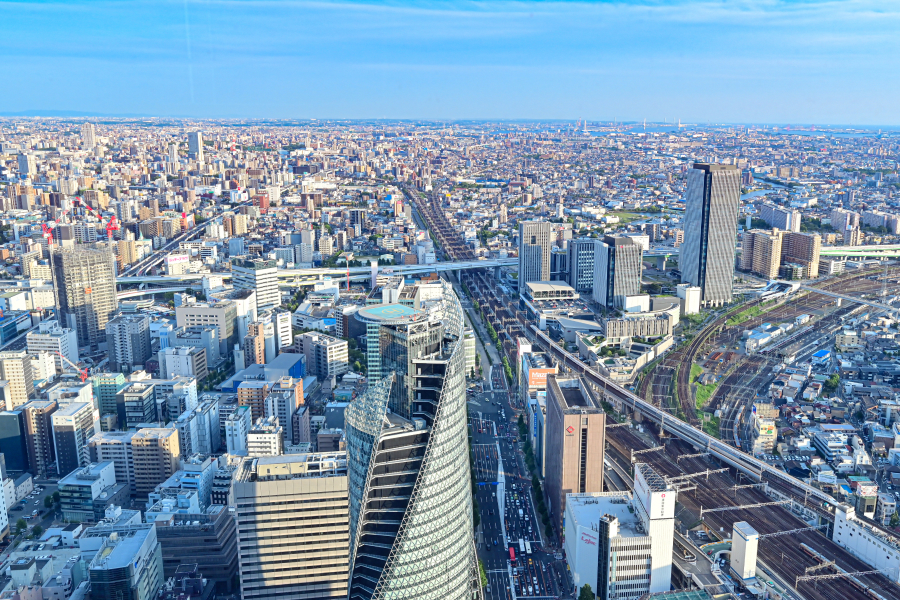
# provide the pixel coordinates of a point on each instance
(472, 58)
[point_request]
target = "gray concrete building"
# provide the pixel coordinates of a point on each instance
(128, 341)
(617, 270)
(535, 243)
(710, 225)
(86, 280)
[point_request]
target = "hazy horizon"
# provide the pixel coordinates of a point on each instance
(767, 62)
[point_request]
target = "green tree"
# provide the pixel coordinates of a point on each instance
(895, 519)
(21, 525)
(37, 531)
(56, 497)
(586, 593)
(48, 501)
(482, 572)
(831, 384)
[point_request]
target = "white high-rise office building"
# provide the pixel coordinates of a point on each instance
(534, 252)
(619, 544)
(195, 145)
(259, 275)
(56, 340)
(710, 226)
(88, 135)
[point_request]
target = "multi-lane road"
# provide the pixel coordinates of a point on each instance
(506, 503)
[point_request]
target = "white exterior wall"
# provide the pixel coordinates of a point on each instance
(744, 544)
(9, 492)
(582, 544)
(237, 426)
(656, 509)
(52, 338)
(861, 541)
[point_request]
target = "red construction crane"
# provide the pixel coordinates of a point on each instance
(113, 225)
(83, 373)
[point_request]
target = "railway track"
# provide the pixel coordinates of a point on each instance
(668, 384)
(782, 553)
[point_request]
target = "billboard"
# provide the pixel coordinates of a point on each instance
(174, 259)
(538, 377)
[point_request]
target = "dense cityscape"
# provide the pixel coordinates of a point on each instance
(312, 359)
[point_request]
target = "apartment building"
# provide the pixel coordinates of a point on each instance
(778, 217)
(761, 252)
(115, 447)
(86, 278)
(254, 394)
(128, 341)
(50, 337)
(15, 367)
(258, 275)
(156, 456)
(73, 425)
(326, 356)
(38, 428)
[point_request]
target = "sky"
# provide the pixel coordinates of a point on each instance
(765, 61)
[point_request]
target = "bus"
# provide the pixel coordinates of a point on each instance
(521, 547)
(527, 547)
(512, 555)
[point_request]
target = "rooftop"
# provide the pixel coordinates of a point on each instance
(588, 509)
(387, 312)
(121, 547)
(271, 468)
(654, 482)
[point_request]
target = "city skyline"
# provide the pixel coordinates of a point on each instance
(700, 62)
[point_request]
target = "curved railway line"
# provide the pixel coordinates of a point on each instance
(668, 385)
(782, 554)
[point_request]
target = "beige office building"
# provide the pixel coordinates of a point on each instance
(15, 367)
(575, 440)
(293, 526)
(156, 455)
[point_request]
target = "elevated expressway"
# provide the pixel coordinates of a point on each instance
(310, 276)
(618, 395)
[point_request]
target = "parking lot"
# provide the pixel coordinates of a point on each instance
(31, 504)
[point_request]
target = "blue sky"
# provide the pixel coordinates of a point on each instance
(734, 61)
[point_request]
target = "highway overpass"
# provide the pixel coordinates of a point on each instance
(745, 463)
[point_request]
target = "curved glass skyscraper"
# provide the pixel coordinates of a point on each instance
(410, 498)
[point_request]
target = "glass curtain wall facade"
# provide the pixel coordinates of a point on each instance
(410, 492)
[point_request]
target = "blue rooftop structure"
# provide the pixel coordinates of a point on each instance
(386, 312)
